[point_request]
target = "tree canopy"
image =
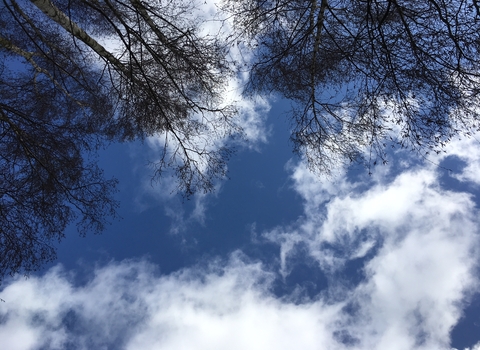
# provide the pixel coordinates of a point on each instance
(365, 73)
(77, 74)
(64, 94)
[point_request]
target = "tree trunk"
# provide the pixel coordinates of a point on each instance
(55, 14)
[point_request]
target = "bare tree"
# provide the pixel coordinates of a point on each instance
(51, 113)
(363, 73)
(165, 77)
(64, 94)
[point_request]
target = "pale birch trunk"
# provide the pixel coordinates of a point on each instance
(55, 14)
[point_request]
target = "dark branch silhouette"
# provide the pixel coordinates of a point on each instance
(63, 94)
(365, 73)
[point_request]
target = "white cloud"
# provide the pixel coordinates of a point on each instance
(252, 110)
(164, 191)
(475, 347)
(247, 129)
(351, 214)
(419, 244)
(425, 246)
(126, 305)
(468, 150)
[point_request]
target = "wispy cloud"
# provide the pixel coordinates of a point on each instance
(248, 129)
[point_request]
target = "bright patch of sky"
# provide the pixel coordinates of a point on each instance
(276, 258)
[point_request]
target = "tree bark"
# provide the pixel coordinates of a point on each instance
(55, 14)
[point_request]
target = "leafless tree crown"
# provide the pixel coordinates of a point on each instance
(362, 73)
(75, 74)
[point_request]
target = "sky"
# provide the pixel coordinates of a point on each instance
(275, 258)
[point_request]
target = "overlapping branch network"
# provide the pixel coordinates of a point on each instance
(75, 74)
(78, 73)
(363, 73)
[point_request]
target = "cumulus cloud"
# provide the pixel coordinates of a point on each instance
(415, 243)
(354, 214)
(475, 347)
(466, 149)
(128, 306)
(416, 246)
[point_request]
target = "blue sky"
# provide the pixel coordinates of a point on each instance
(275, 258)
